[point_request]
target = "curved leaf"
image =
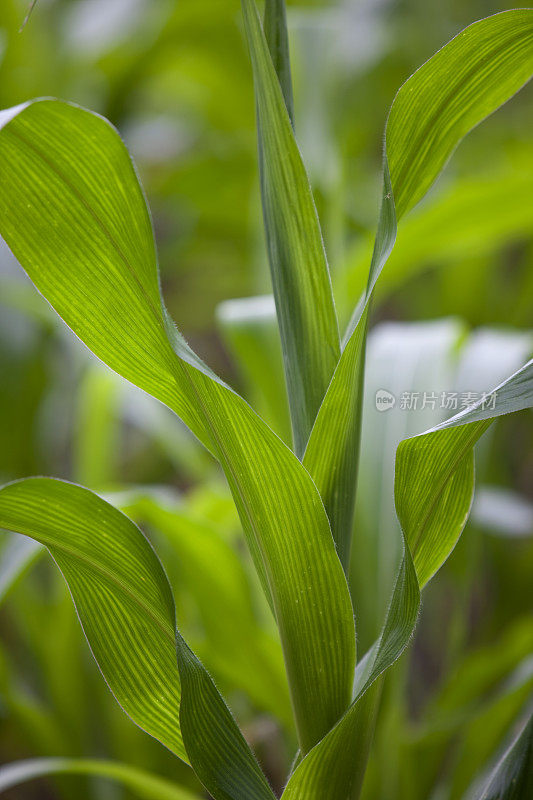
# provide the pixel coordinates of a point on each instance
(141, 783)
(434, 488)
(120, 591)
(74, 214)
(450, 94)
(126, 609)
(440, 465)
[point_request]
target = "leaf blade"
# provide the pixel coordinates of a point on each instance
(41, 508)
(52, 221)
(299, 270)
(326, 771)
(446, 81)
(108, 574)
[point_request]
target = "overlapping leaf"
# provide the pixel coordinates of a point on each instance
(126, 608)
(440, 464)
(235, 646)
(451, 93)
(300, 275)
(74, 215)
(434, 488)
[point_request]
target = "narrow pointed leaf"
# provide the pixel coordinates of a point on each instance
(450, 94)
(327, 772)
(74, 215)
(141, 783)
(276, 34)
(300, 274)
(332, 454)
(125, 605)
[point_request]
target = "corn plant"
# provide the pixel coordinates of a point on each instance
(74, 215)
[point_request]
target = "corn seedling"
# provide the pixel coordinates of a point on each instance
(74, 215)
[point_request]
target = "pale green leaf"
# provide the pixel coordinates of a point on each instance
(211, 572)
(121, 593)
(435, 473)
(425, 370)
(450, 94)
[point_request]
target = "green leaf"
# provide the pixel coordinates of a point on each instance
(332, 454)
(400, 357)
(512, 778)
(141, 783)
(440, 465)
(300, 275)
(434, 487)
(451, 93)
(74, 215)
(126, 608)
(275, 25)
(413, 362)
(120, 591)
(236, 646)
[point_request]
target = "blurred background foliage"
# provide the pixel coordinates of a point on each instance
(174, 77)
